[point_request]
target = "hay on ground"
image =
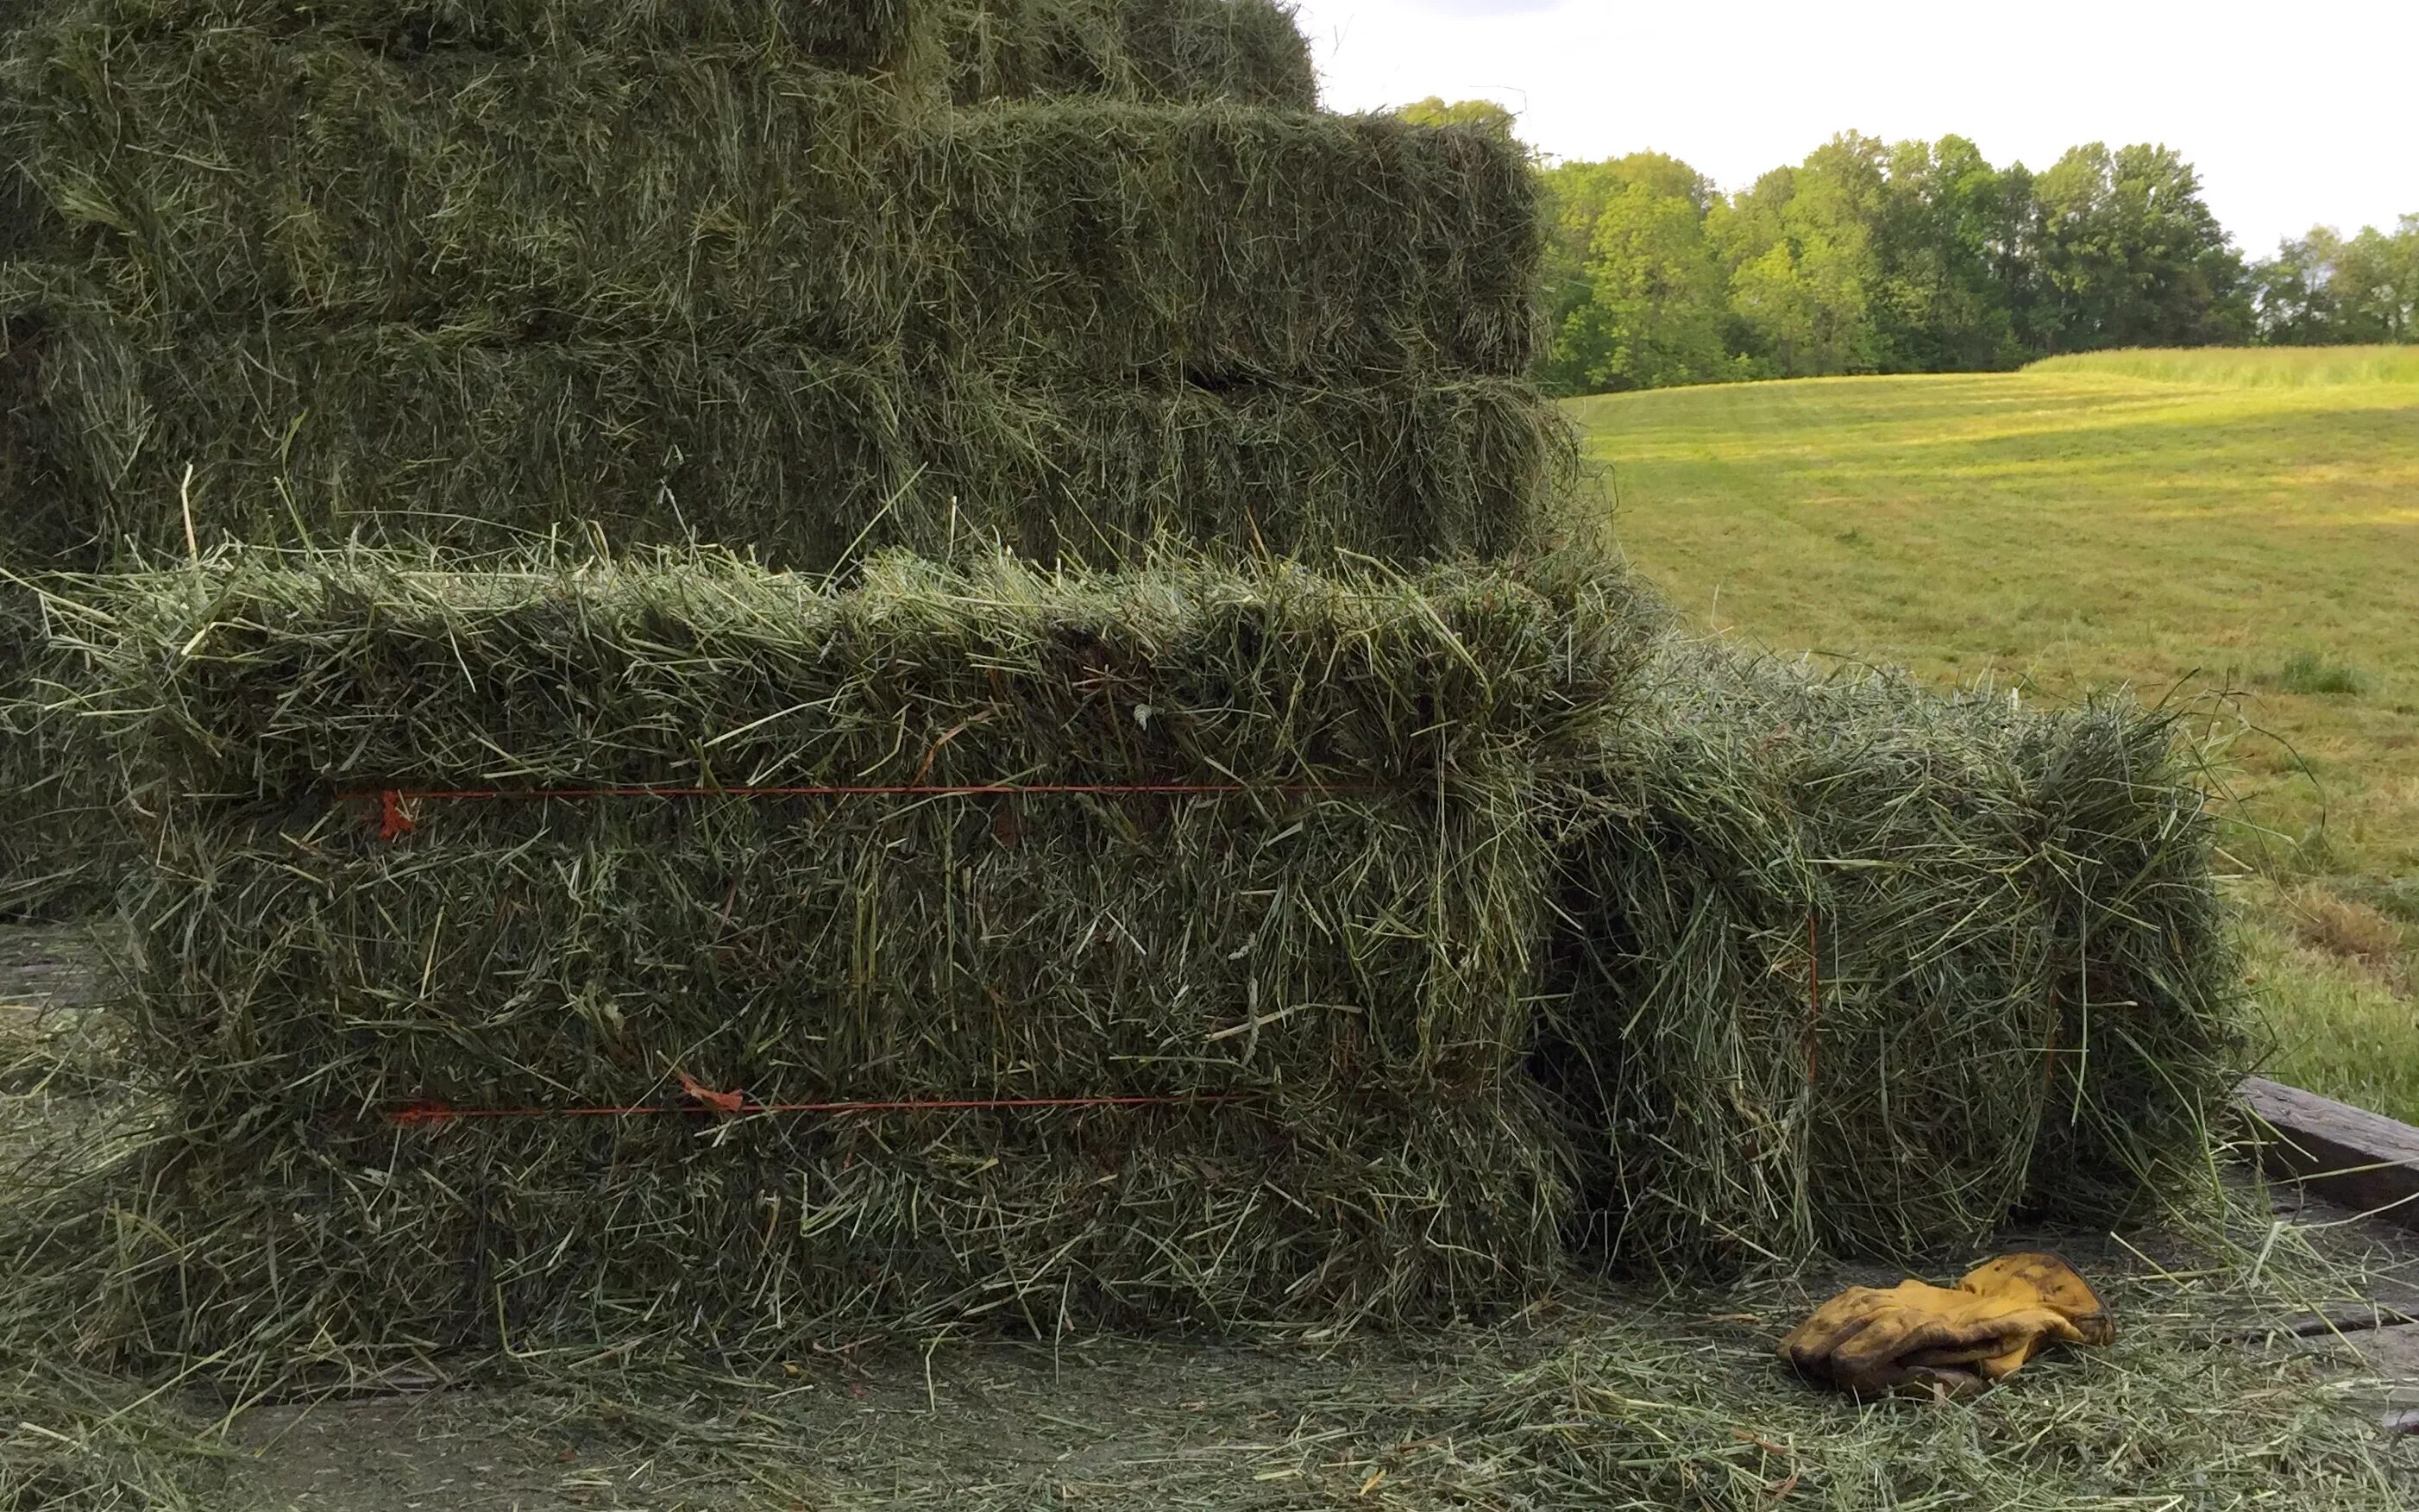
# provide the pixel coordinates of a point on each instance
(1343, 955)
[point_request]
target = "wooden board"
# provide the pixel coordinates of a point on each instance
(2363, 1160)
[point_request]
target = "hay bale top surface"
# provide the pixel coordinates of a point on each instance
(270, 674)
(963, 51)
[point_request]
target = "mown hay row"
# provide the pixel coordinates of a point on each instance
(1342, 957)
(301, 435)
(1863, 969)
(233, 176)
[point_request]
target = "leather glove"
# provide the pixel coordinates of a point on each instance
(1869, 1341)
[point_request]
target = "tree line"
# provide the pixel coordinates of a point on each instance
(1923, 257)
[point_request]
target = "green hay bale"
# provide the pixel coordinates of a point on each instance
(234, 176)
(1246, 50)
(578, 193)
(61, 846)
(1222, 242)
(1353, 969)
(2152, 1033)
(1419, 471)
(301, 435)
(776, 1234)
(845, 32)
(1942, 862)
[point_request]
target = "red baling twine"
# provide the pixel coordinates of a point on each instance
(739, 1104)
(394, 824)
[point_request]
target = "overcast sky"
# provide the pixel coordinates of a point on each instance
(2295, 113)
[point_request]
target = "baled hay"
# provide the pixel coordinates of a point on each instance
(1864, 968)
(580, 192)
(238, 177)
(1348, 973)
(849, 33)
(60, 847)
(1226, 242)
(466, 437)
(1249, 52)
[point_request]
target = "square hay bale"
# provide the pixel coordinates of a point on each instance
(61, 847)
(1326, 966)
(576, 191)
(848, 33)
(301, 435)
(1420, 469)
(1223, 242)
(1245, 50)
(1859, 967)
(1249, 52)
(238, 177)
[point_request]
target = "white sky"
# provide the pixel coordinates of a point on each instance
(2295, 113)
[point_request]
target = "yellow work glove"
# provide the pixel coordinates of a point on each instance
(1869, 1341)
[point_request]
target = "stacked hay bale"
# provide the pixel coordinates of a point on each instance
(559, 270)
(1169, 941)
(1073, 277)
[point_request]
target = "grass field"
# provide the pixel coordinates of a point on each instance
(2235, 528)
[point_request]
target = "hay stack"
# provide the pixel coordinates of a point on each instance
(335, 279)
(1341, 957)
(1859, 967)
(1079, 278)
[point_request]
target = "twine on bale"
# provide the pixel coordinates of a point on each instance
(394, 824)
(421, 1114)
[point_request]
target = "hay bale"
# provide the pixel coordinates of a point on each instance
(235, 178)
(299, 435)
(854, 33)
(1345, 952)
(1999, 1020)
(61, 847)
(1246, 50)
(559, 194)
(1225, 241)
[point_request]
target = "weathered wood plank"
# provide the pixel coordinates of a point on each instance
(2362, 1159)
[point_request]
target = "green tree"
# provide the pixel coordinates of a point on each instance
(1592, 345)
(2326, 288)
(1486, 114)
(1799, 249)
(2129, 255)
(2294, 305)
(1654, 315)
(1943, 244)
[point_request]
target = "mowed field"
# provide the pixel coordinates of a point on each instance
(2234, 531)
